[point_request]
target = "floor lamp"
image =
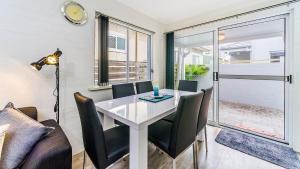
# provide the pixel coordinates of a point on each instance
(52, 59)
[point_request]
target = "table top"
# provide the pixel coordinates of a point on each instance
(135, 112)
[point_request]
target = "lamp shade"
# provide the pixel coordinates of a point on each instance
(39, 64)
(36, 66)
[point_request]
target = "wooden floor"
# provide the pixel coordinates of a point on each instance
(218, 157)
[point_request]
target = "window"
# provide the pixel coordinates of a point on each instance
(117, 43)
(112, 42)
(120, 43)
(129, 54)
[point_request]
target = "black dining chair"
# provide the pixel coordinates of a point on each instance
(122, 90)
(103, 147)
(175, 138)
(184, 85)
(143, 87)
(203, 114)
(188, 85)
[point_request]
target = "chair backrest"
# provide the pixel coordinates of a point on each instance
(123, 90)
(203, 114)
(143, 87)
(184, 128)
(188, 85)
(92, 131)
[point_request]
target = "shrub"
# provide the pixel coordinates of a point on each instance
(192, 71)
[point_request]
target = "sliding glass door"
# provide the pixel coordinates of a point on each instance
(246, 63)
(252, 78)
(194, 60)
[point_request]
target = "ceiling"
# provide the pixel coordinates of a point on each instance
(172, 11)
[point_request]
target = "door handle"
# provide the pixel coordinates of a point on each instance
(289, 79)
(216, 76)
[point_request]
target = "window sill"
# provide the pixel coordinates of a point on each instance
(97, 88)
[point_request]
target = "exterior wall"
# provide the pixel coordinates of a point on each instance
(261, 50)
(268, 94)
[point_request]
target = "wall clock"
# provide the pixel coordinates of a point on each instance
(74, 13)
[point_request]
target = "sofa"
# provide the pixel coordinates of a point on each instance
(52, 152)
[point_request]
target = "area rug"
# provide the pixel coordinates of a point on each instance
(266, 150)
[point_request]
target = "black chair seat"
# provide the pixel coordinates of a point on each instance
(170, 118)
(161, 138)
(119, 123)
(117, 142)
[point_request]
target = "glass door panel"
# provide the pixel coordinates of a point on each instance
(252, 77)
(194, 61)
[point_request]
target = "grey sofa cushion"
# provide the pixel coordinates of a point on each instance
(22, 134)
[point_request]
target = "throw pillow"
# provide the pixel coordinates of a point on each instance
(22, 134)
(3, 130)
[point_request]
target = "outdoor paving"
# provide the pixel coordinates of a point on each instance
(264, 120)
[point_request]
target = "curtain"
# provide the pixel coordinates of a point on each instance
(149, 54)
(103, 50)
(170, 60)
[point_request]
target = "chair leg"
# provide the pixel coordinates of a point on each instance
(195, 156)
(174, 163)
(83, 164)
(205, 132)
(196, 152)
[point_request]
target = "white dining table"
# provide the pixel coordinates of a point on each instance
(138, 115)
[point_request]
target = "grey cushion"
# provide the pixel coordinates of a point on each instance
(22, 134)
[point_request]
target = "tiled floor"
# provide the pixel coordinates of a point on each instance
(218, 157)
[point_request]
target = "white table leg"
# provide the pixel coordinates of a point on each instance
(108, 122)
(138, 157)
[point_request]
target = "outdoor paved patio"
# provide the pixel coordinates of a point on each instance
(264, 120)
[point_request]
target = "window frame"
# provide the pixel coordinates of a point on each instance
(116, 35)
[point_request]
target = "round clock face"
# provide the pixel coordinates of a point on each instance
(74, 13)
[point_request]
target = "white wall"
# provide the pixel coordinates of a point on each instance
(34, 28)
(295, 97)
(293, 44)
